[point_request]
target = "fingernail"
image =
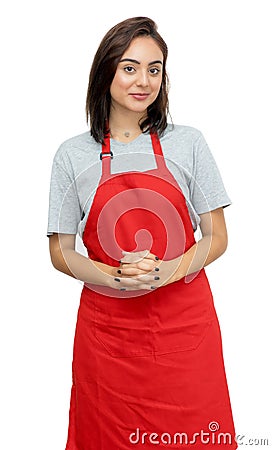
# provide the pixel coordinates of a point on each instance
(156, 269)
(156, 278)
(152, 287)
(157, 258)
(122, 289)
(117, 279)
(119, 271)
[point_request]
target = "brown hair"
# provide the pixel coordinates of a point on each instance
(103, 69)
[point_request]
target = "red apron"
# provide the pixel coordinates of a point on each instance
(147, 366)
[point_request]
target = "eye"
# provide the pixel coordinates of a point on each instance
(129, 69)
(154, 70)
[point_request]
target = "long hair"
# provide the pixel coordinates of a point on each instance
(103, 69)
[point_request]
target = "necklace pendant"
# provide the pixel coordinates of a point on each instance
(127, 134)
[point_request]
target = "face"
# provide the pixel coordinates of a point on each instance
(138, 77)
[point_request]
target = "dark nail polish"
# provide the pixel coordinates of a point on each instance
(122, 289)
(156, 278)
(156, 269)
(119, 271)
(117, 279)
(152, 287)
(157, 258)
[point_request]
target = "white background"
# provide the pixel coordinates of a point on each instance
(220, 73)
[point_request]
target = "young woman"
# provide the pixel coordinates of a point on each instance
(148, 365)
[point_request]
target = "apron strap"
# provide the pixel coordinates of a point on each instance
(106, 155)
(156, 144)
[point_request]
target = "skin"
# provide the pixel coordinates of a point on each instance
(140, 75)
(139, 72)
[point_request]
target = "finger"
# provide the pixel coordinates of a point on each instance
(131, 258)
(152, 257)
(147, 265)
(134, 257)
(144, 266)
(141, 253)
(151, 279)
(134, 283)
(130, 270)
(143, 287)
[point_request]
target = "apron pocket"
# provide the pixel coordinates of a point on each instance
(180, 339)
(171, 319)
(126, 338)
(123, 326)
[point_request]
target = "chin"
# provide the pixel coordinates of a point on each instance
(140, 109)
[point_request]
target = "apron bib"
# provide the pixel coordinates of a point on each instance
(127, 339)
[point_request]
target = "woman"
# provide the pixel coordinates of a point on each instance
(148, 365)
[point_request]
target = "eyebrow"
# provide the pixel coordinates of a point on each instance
(157, 61)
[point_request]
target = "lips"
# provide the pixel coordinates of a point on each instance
(139, 95)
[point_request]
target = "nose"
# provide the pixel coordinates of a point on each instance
(142, 79)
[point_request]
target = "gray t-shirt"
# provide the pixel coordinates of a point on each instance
(77, 169)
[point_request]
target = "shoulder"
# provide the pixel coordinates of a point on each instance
(76, 148)
(181, 133)
(181, 144)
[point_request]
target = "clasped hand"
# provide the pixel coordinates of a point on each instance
(144, 270)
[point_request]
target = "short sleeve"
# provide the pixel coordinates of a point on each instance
(64, 206)
(207, 190)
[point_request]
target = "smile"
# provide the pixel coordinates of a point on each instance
(139, 96)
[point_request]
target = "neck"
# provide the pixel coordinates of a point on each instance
(124, 126)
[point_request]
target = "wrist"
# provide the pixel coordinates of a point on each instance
(173, 270)
(105, 273)
(177, 275)
(180, 272)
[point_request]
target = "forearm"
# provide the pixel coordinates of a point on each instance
(82, 268)
(204, 252)
(66, 259)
